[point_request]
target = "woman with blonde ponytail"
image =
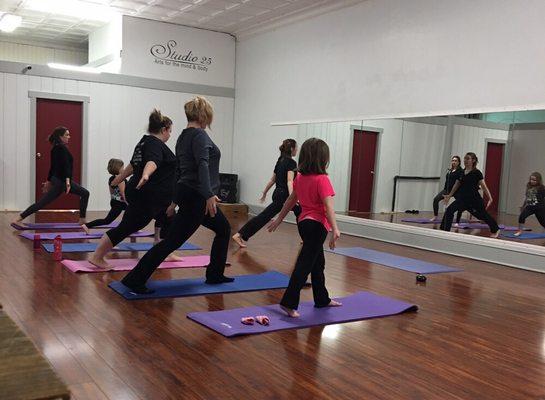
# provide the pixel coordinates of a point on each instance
(198, 160)
(282, 177)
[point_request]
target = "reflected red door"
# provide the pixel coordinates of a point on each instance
(492, 172)
(49, 115)
(364, 152)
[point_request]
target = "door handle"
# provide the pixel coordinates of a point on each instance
(38, 155)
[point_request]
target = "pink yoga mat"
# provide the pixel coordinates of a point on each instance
(126, 264)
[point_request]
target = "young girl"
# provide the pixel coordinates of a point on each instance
(534, 203)
(313, 189)
(466, 192)
(284, 173)
(117, 197)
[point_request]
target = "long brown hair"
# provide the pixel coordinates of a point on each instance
(314, 157)
(55, 137)
(286, 148)
(474, 157)
(539, 180)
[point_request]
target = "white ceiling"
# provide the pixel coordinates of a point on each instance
(43, 20)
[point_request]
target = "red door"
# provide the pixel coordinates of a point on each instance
(49, 115)
(363, 170)
(492, 172)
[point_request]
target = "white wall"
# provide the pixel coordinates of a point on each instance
(385, 57)
(117, 119)
(527, 148)
(473, 138)
(106, 41)
(40, 55)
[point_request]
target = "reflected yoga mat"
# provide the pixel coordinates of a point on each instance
(76, 235)
(123, 246)
(126, 264)
(425, 220)
(393, 261)
(479, 225)
(360, 305)
(525, 235)
(57, 225)
(197, 287)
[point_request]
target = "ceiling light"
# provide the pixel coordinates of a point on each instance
(76, 68)
(72, 8)
(9, 22)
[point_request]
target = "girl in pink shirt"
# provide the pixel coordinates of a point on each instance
(313, 189)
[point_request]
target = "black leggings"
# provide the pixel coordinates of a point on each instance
(58, 187)
(529, 210)
(259, 221)
(475, 207)
(437, 199)
(116, 208)
(188, 219)
(143, 207)
(311, 261)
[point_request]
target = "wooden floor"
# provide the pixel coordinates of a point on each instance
(479, 334)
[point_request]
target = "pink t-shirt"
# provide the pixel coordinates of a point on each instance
(311, 191)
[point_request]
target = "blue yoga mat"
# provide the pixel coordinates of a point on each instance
(393, 261)
(123, 246)
(361, 305)
(525, 235)
(197, 287)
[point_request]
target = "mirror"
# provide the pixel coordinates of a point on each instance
(392, 169)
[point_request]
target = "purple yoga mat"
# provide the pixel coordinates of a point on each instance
(76, 235)
(361, 305)
(57, 225)
(424, 221)
(479, 225)
(127, 264)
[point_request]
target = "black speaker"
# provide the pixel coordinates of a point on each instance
(228, 188)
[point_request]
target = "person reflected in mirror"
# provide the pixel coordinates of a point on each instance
(454, 172)
(468, 197)
(534, 202)
(283, 176)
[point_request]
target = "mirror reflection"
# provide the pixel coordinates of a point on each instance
(475, 174)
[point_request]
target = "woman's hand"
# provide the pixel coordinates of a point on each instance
(274, 225)
(446, 198)
(46, 187)
(143, 181)
(335, 235)
(212, 206)
(171, 210)
(67, 185)
(262, 198)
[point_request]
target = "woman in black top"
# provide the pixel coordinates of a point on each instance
(283, 176)
(454, 173)
(534, 201)
(197, 184)
(150, 189)
(117, 197)
(59, 179)
(468, 197)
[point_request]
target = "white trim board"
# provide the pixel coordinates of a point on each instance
(502, 252)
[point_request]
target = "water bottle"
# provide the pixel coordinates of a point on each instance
(37, 241)
(57, 248)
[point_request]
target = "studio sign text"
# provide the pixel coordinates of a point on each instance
(166, 54)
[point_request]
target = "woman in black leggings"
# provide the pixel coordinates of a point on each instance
(150, 189)
(59, 180)
(197, 184)
(534, 202)
(468, 197)
(453, 174)
(283, 176)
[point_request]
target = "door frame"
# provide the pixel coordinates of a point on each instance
(85, 100)
(379, 132)
(504, 161)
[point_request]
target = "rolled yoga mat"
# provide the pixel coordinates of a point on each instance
(525, 235)
(76, 235)
(197, 287)
(127, 264)
(123, 246)
(359, 306)
(393, 261)
(57, 225)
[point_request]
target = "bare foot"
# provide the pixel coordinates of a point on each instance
(456, 225)
(86, 229)
(172, 257)
(334, 303)
(238, 240)
(291, 313)
(100, 263)
(495, 235)
(433, 219)
(18, 220)
(517, 233)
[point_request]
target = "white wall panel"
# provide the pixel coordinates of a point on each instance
(40, 55)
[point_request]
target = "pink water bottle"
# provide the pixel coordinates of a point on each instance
(57, 248)
(37, 241)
